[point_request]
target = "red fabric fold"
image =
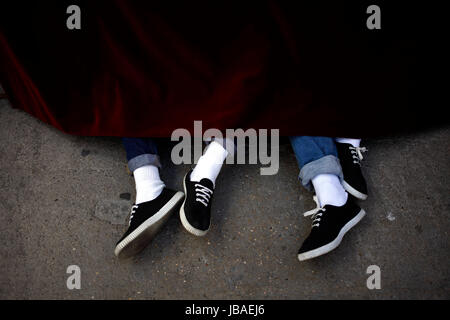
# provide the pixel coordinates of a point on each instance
(147, 68)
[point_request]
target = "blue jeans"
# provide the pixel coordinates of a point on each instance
(141, 152)
(315, 155)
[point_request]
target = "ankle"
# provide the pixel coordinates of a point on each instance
(210, 163)
(329, 190)
(148, 183)
(354, 142)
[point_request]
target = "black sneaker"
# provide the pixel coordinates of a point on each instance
(146, 220)
(195, 213)
(329, 226)
(350, 158)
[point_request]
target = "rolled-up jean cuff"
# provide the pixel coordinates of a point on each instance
(328, 164)
(144, 160)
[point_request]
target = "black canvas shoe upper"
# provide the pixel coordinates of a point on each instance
(197, 206)
(350, 158)
(327, 222)
(141, 212)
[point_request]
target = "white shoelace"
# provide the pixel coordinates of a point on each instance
(315, 213)
(133, 210)
(203, 194)
(357, 154)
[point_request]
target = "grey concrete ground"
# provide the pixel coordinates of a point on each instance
(64, 200)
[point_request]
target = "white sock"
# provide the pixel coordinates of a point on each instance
(148, 183)
(329, 190)
(210, 163)
(353, 142)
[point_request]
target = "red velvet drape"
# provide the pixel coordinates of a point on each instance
(145, 68)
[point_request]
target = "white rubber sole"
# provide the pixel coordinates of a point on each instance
(137, 240)
(335, 243)
(189, 228)
(353, 191)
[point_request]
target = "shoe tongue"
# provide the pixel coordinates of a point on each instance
(207, 183)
